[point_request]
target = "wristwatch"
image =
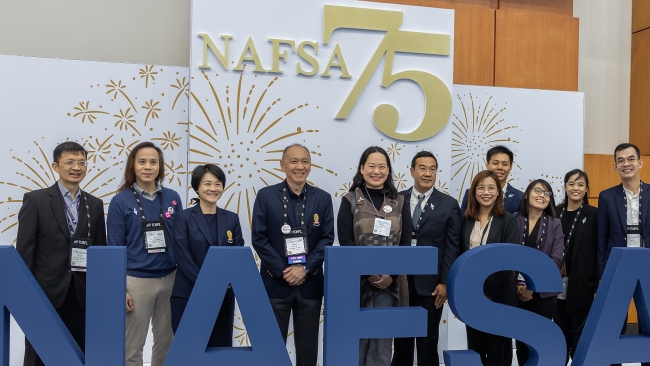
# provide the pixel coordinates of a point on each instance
(305, 269)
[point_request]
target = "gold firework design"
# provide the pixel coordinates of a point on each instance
(480, 126)
(237, 131)
(36, 173)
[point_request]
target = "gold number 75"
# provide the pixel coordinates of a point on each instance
(436, 94)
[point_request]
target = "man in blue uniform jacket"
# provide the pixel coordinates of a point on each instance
(622, 214)
(293, 222)
(499, 160)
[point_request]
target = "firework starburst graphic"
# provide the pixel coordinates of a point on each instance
(84, 111)
(480, 126)
(152, 109)
(126, 120)
(147, 73)
(118, 88)
(183, 88)
(242, 125)
(169, 140)
(393, 150)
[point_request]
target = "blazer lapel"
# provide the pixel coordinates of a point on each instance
(199, 219)
(309, 207)
(494, 230)
(469, 226)
(431, 205)
(644, 207)
(221, 225)
(56, 202)
(509, 197)
(620, 205)
(579, 230)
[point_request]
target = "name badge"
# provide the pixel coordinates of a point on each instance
(79, 254)
(633, 236)
(382, 227)
(295, 245)
(155, 240)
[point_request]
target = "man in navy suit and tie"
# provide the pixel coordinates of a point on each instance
(622, 214)
(500, 160)
(436, 223)
(293, 222)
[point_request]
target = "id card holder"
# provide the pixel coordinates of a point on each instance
(633, 236)
(565, 285)
(295, 245)
(79, 254)
(155, 240)
(382, 227)
(414, 239)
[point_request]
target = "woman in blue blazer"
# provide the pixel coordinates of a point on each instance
(196, 229)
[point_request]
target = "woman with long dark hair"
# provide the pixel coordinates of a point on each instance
(539, 229)
(486, 221)
(374, 214)
(579, 268)
(141, 217)
(196, 230)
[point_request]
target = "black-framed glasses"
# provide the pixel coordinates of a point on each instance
(540, 191)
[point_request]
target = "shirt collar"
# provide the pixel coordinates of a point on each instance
(505, 189)
(291, 193)
(630, 193)
(427, 194)
(66, 193)
(143, 193)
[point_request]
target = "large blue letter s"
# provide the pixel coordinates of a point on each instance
(469, 304)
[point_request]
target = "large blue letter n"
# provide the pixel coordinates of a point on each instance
(21, 296)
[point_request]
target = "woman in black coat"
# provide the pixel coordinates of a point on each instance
(486, 221)
(579, 269)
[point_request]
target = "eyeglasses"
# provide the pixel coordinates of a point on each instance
(423, 170)
(621, 161)
(71, 163)
(490, 189)
(540, 191)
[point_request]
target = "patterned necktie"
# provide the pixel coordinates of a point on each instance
(418, 211)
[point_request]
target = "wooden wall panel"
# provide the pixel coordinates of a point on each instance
(536, 50)
(449, 4)
(640, 90)
(564, 7)
(474, 40)
(640, 15)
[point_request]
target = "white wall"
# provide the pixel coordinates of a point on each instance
(604, 71)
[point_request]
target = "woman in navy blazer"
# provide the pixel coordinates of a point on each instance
(196, 229)
(538, 228)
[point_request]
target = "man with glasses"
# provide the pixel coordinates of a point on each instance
(621, 210)
(436, 223)
(55, 227)
(499, 160)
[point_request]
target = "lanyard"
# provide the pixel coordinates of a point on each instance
(573, 225)
(72, 223)
(373, 204)
(137, 199)
(640, 226)
(285, 201)
(523, 242)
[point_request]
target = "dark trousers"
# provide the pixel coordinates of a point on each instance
(427, 346)
(623, 332)
(571, 326)
(493, 349)
(74, 318)
(306, 315)
(222, 332)
(541, 306)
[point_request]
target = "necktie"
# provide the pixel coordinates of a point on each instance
(418, 211)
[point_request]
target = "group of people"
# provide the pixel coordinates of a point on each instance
(292, 223)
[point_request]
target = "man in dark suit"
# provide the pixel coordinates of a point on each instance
(499, 160)
(622, 218)
(287, 212)
(53, 223)
(436, 222)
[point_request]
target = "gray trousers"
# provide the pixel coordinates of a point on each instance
(377, 351)
(150, 303)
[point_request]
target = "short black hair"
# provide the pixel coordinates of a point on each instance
(500, 149)
(423, 154)
(284, 152)
(68, 146)
(201, 170)
(627, 145)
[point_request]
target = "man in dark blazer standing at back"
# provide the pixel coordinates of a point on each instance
(436, 223)
(622, 214)
(499, 159)
(287, 217)
(53, 223)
